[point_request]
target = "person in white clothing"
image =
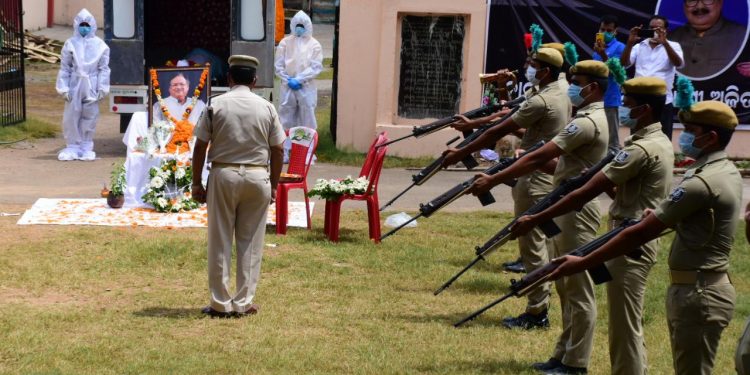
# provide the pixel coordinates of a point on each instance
(299, 59)
(655, 57)
(83, 80)
(178, 100)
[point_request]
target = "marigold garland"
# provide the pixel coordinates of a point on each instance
(183, 128)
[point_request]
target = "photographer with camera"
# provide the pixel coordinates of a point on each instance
(655, 56)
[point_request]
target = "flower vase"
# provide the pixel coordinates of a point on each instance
(115, 201)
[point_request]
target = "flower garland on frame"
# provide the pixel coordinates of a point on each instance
(183, 127)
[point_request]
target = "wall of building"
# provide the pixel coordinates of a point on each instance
(66, 10)
(35, 14)
(369, 53)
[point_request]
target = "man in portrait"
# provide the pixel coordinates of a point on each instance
(709, 41)
(178, 100)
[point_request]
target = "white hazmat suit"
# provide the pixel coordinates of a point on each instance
(299, 58)
(83, 80)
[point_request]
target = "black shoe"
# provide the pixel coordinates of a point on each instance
(506, 264)
(527, 321)
(515, 268)
(551, 364)
(210, 311)
(566, 370)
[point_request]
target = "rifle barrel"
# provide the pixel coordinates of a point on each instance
(394, 230)
(482, 310)
(456, 276)
(390, 202)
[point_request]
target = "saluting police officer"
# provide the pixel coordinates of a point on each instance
(542, 116)
(704, 211)
(243, 131)
(580, 145)
(641, 176)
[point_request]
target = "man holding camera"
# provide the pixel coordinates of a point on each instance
(655, 57)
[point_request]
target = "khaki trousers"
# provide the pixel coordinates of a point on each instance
(627, 349)
(577, 299)
(532, 246)
(696, 315)
(238, 199)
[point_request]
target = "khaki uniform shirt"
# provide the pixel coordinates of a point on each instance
(244, 128)
(642, 171)
(704, 210)
(543, 114)
(584, 142)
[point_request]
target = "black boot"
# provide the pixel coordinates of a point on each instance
(527, 321)
(566, 370)
(514, 266)
(552, 363)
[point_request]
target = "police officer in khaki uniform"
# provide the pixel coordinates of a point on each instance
(542, 116)
(580, 145)
(243, 131)
(642, 175)
(703, 209)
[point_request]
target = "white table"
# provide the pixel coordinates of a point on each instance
(137, 164)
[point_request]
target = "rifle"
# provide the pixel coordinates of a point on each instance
(549, 228)
(426, 210)
(599, 274)
(469, 162)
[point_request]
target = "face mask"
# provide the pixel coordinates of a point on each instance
(531, 75)
(84, 30)
(574, 93)
(623, 113)
(299, 31)
(608, 37)
(686, 145)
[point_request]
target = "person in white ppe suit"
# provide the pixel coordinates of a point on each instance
(299, 59)
(83, 80)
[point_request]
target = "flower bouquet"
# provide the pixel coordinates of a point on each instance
(169, 187)
(161, 131)
(333, 189)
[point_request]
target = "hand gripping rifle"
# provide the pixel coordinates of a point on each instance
(426, 210)
(469, 162)
(549, 228)
(599, 274)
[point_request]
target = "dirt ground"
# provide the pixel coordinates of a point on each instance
(33, 170)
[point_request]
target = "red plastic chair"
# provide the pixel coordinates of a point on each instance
(299, 165)
(371, 169)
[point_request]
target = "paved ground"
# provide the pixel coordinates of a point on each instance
(34, 171)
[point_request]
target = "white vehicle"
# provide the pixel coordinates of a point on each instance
(143, 34)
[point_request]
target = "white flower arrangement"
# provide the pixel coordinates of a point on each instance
(157, 138)
(169, 187)
(332, 189)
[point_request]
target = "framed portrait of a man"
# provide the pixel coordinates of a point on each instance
(172, 94)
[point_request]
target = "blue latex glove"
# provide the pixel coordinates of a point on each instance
(294, 84)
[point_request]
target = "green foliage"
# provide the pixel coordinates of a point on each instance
(29, 129)
(117, 180)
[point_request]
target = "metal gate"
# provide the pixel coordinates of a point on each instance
(12, 87)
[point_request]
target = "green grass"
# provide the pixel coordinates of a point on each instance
(327, 72)
(328, 153)
(29, 129)
(98, 300)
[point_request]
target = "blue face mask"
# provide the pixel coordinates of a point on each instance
(608, 37)
(84, 30)
(574, 93)
(299, 31)
(623, 113)
(686, 145)
(531, 75)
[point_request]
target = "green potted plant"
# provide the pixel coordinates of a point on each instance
(116, 196)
